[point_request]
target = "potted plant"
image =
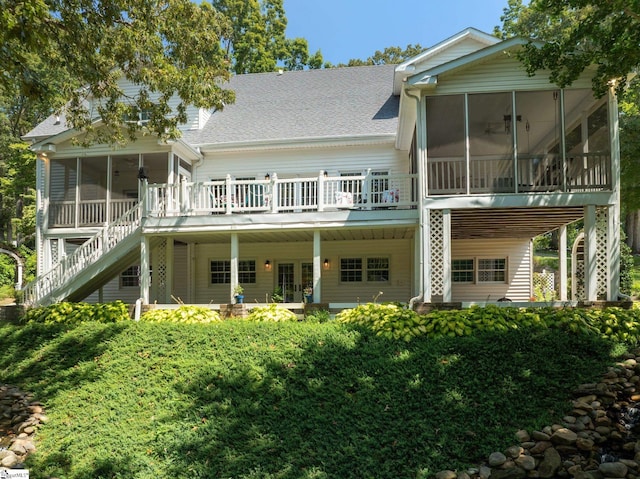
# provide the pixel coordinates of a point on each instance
(308, 294)
(238, 293)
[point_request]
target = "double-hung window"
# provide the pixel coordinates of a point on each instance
(479, 270)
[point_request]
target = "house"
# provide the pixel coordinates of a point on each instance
(424, 181)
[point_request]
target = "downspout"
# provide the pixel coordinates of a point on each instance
(420, 297)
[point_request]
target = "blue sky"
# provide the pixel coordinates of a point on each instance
(345, 29)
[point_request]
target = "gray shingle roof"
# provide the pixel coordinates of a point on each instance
(298, 105)
(294, 105)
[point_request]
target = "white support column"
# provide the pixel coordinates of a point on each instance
(562, 259)
(426, 248)
(317, 267)
(446, 256)
(613, 253)
(169, 271)
(590, 252)
(235, 251)
(145, 270)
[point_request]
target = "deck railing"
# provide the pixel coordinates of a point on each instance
(282, 195)
(85, 255)
(542, 173)
(62, 214)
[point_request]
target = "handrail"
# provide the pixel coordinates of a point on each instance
(276, 195)
(86, 254)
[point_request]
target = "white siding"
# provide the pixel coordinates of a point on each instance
(500, 74)
(460, 49)
(181, 272)
(303, 162)
(517, 251)
(398, 288)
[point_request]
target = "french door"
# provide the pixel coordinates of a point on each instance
(293, 278)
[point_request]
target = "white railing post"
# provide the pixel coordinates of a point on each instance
(321, 178)
(275, 200)
(228, 195)
(366, 190)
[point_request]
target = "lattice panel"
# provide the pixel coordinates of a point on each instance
(602, 240)
(160, 271)
(55, 252)
(437, 252)
(544, 286)
(578, 286)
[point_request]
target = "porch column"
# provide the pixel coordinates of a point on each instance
(562, 266)
(317, 267)
(235, 250)
(446, 256)
(426, 258)
(145, 271)
(168, 290)
(613, 253)
(590, 252)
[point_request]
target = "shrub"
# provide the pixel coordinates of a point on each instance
(182, 314)
(271, 312)
(390, 320)
(75, 313)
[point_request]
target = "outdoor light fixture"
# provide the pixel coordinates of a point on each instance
(326, 263)
(116, 173)
(267, 265)
(267, 177)
(142, 175)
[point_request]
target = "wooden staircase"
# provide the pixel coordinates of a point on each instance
(92, 265)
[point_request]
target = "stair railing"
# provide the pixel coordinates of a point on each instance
(86, 254)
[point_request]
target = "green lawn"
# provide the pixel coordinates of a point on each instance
(284, 400)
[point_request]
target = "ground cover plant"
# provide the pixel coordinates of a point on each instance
(286, 400)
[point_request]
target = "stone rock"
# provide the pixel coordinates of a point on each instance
(10, 460)
(540, 447)
(447, 474)
(522, 436)
(540, 436)
(564, 437)
(528, 463)
(513, 452)
(550, 464)
(584, 444)
(463, 475)
(497, 459)
(613, 469)
(485, 472)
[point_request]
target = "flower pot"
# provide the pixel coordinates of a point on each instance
(308, 298)
(239, 298)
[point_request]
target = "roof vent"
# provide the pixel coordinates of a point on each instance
(280, 72)
(57, 122)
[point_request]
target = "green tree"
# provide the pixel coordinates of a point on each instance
(579, 34)
(257, 41)
(388, 56)
(576, 35)
(68, 52)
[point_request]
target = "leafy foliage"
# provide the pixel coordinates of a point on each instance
(257, 41)
(388, 56)
(182, 314)
(579, 34)
(396, 322)
(282, 400)
(271, 313)
(76, 313)
(65, 53)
